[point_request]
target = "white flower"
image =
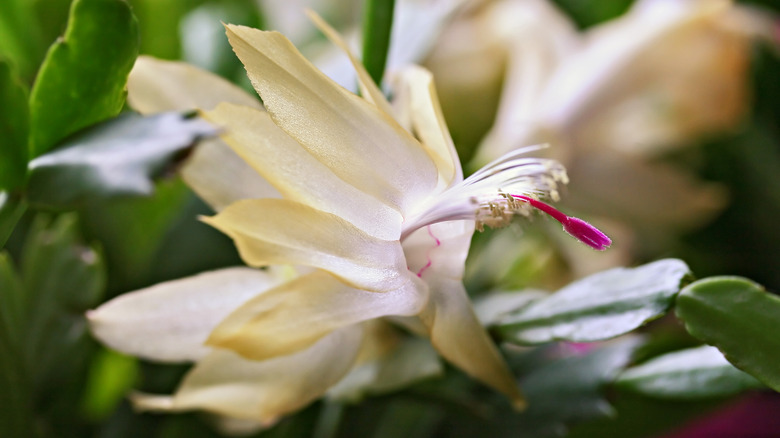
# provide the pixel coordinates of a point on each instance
(380, 221)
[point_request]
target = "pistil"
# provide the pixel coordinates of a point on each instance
(576, 227)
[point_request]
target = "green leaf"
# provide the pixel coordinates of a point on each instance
(14, 123)
(740, 318)
(571, 389)
(598, 307)
(687, 374)
(118, 157)
(82, 80)
(62, 279)
(20, 36)
(11, 210)
(16, 414)
(377, 24)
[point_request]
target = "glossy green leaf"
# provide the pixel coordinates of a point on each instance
(11, 210)
(687, 374)
(82, 80)
(572, 388)
(740, 318)
(118, 157)
(565, 385)
(598, 307)
(14, 122)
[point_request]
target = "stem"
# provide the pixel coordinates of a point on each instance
(377, 24)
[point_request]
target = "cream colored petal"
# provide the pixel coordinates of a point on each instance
(355, 139)
(156, 85)
(455, 330)
(388, 361)
(458, 336)
(298, 313)
(171, 321)
(297, 174)
(439, 249)
(279, 231)
(227, 384)
(428, 123)
(368, 88)
(220, 177)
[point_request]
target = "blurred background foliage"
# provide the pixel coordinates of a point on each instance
(59, 261)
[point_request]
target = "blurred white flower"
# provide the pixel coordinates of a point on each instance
(612, 98)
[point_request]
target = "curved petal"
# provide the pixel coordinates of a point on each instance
(220, 177)
(156, 85)
(279, 231)
(291, 169)
(355, 139)
(454, 328)
(228, 384)
(428, 123)
(298, 313)
(171, 321)
(458, 336)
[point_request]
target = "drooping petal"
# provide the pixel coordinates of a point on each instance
(279, 231)
(298, 313)
(356, 140)
(156, 85)
(292, 169)
(171, 321)
(230, 181)
(225, 383)
(427, 121)
(454, 328)
(458, 336)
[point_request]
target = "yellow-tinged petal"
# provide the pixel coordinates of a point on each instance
(223, 184)
(351, 136)
(298, 313)
(428, 123)
(171, 321)
(388, 360)
(292, 170)
(225, 383)
(455, 330)
(279, 231)
(156, 85)
(458, 336)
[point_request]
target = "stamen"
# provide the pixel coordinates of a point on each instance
(577, 228)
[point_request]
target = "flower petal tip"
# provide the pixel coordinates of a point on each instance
(587, 233)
